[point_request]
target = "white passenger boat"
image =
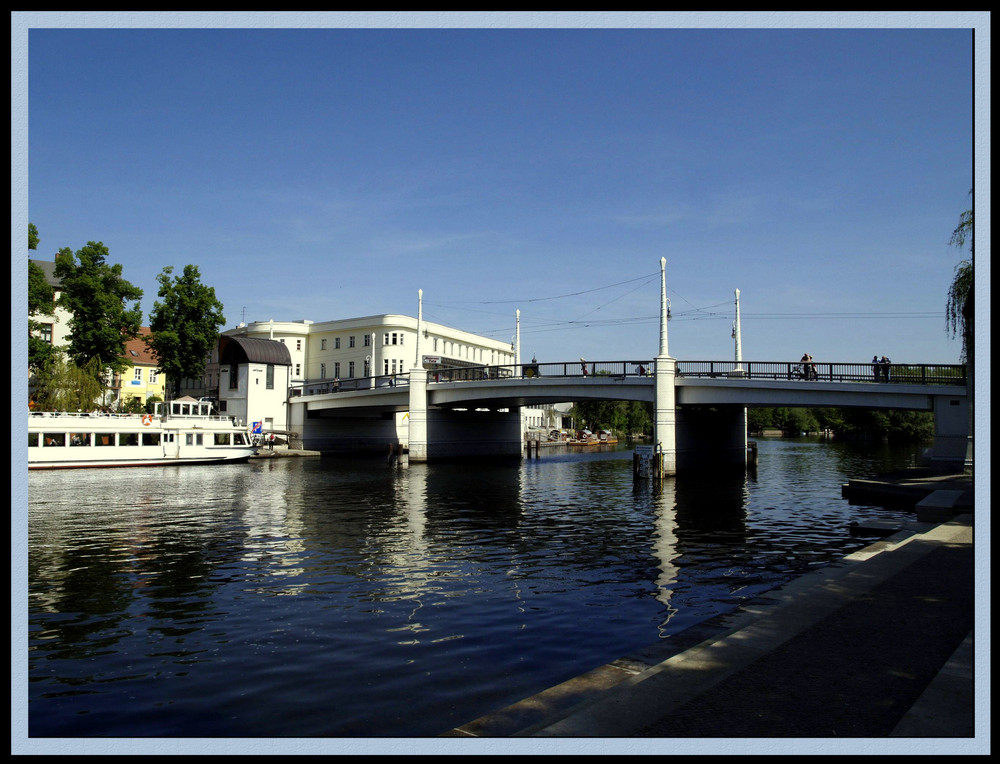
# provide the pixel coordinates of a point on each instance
(180, 432)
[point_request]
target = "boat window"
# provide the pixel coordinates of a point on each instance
(128, 439)
(54, 438)
(239, 440)
(151, 439)
(189, 439)
(104, 439)
(222, 438)
(79, 438)
(32, 439)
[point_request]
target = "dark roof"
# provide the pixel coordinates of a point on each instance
(49, 269)
(239, 350)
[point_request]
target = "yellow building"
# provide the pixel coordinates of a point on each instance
(143, 379)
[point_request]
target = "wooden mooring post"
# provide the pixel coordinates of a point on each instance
(529, 442)
(647, 462)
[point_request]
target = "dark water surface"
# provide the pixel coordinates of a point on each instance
(329, 597)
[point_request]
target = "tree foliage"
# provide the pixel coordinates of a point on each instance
(959, 311)
(40, 302)
(97, 297)
(184, 325)
(849, 423)
(63, 386)
(621, 417)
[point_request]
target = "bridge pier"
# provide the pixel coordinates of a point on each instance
(952, 449)
(665, 414)
(417, 435)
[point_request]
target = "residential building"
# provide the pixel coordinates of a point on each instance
(141, 380)
(378, 348)
(53, 326)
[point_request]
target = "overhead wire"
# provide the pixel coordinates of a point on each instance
(695, 313)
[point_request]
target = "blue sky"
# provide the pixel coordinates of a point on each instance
(324, 173)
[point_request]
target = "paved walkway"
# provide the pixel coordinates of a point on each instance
(877, 646)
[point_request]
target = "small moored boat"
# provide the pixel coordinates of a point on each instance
(179, 432)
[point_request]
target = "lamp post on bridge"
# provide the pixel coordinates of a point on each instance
(736, 334)
(517, 343)
(665, 413)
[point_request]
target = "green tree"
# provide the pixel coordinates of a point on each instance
(960, 308)
(64, 386)
(184, 325)
(40, 297)
(96, 296)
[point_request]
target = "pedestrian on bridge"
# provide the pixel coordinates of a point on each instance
(876, 370)
(886, 364)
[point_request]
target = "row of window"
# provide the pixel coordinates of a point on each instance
(57, 439)
(351, 341)
(153, 375)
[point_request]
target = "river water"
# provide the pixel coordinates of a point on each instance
(331, 597)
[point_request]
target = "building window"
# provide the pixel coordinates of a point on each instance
(322, 371)
(153, 375)
(234, 377)
(269, 382)
(368, 341)
(336, 370)
(298, 370)
(322, 344)
(336, 343)
(350, 341)
(45, 332)
(350, 369)
(298, 344)
(138, 374)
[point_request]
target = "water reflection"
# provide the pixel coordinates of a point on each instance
(315, 597)
(664, 545)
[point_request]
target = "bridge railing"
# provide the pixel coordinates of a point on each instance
(329, 386)
(579, 368)
(913, 374)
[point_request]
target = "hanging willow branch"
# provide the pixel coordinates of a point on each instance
(958, 311)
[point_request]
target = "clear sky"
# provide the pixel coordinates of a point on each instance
(326, 173)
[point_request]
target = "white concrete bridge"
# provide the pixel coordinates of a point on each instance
(491, 391)
(699, 406)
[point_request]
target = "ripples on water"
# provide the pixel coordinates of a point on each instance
(315, 597)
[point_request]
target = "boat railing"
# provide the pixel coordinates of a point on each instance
(88, 414)
(120, 417)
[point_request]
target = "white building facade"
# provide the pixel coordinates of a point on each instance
(367, 351)
(374, 346)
